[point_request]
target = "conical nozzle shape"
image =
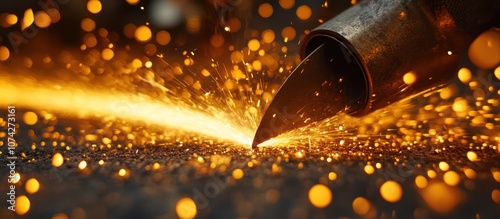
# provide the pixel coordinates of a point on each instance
(330, 80)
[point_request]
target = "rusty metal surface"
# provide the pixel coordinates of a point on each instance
(393, 38)
(385, 40)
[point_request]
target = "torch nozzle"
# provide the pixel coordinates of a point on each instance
(356, 62)
(330, 74)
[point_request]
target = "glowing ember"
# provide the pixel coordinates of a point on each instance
(82, 165)
(361, 206)
(391, 191)
(22, 205)
(320, 196)
(57, 160)
(185, 208)
(32, 186)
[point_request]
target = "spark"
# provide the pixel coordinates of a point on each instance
(130, 107)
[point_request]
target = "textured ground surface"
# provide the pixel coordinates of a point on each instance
(275, 182)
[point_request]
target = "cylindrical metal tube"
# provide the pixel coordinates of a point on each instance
(394, 39)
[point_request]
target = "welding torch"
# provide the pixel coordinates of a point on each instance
(373, 54)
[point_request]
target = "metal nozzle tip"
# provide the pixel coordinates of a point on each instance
(326, 82)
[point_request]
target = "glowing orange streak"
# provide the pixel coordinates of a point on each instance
(84, 102)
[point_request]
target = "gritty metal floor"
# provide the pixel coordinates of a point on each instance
(275, 182)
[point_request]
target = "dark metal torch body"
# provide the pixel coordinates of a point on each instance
(373, 54)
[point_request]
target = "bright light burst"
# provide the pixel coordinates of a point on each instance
(85, 103)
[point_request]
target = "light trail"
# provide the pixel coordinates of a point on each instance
(85, 103)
